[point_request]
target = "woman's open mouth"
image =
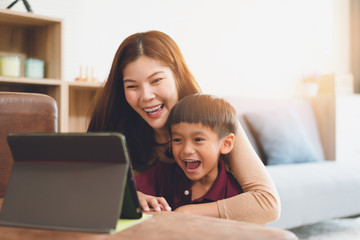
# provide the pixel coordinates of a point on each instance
(154, 111)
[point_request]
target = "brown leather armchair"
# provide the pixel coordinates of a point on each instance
(22, 112)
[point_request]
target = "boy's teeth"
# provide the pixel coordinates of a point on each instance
(192, 164)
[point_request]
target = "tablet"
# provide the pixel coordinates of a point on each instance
(70, 181)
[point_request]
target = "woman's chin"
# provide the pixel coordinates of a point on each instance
(157, 125)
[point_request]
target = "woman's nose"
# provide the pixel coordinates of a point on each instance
(147, 93)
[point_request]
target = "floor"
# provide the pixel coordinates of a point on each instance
(336, 229)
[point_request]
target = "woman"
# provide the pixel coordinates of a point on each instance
(148, 76)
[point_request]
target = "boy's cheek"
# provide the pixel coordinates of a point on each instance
(176, 153)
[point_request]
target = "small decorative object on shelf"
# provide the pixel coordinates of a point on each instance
(26, 3)
(310, 85)
(87, 78)
(34, 68)
(10, 66)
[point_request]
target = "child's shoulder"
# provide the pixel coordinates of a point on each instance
(159, 166)
(230, 177)
(165, 165)
(164, 169)
(233, 187)
(156, 176)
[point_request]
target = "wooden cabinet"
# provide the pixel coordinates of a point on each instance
(29, 35)
(338, 118)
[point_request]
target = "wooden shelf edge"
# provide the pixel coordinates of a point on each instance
(83, 85)
(23, 80)
(25, 18)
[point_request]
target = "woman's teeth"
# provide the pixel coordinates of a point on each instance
(153, 110)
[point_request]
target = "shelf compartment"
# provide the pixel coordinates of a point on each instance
(32, 36)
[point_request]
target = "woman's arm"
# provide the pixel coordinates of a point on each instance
(260, 201)
(204, 209)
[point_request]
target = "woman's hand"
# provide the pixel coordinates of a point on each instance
(157, 203)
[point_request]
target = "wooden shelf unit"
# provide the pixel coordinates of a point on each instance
(80, 96)
(30, 35)
(337, 117)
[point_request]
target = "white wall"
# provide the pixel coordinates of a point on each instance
(247, 47)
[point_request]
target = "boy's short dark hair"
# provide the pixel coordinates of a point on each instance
(206, 109)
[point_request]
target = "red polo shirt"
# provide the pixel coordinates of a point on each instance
(169, 181)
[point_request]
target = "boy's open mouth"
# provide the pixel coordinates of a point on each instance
(192, 164)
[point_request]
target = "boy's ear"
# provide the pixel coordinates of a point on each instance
(227, 143)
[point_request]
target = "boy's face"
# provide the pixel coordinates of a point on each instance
(196, 149)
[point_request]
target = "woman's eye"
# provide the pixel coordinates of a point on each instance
(130, 86)
(157, 80)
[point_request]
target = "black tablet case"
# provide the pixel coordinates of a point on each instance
(70, 181)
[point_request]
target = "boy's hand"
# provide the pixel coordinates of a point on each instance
(156, 203)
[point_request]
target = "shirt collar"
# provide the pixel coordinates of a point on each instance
(218, 189)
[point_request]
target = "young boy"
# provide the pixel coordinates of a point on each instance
(202, 129)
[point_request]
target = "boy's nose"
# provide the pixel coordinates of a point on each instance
(188, 148)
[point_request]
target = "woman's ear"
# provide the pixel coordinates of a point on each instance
(227, 143)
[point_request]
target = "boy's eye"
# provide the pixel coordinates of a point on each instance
(176, 140)
(199, 139)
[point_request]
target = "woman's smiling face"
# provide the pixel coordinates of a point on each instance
(150, 89)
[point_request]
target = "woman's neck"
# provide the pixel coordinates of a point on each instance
(162, 136)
